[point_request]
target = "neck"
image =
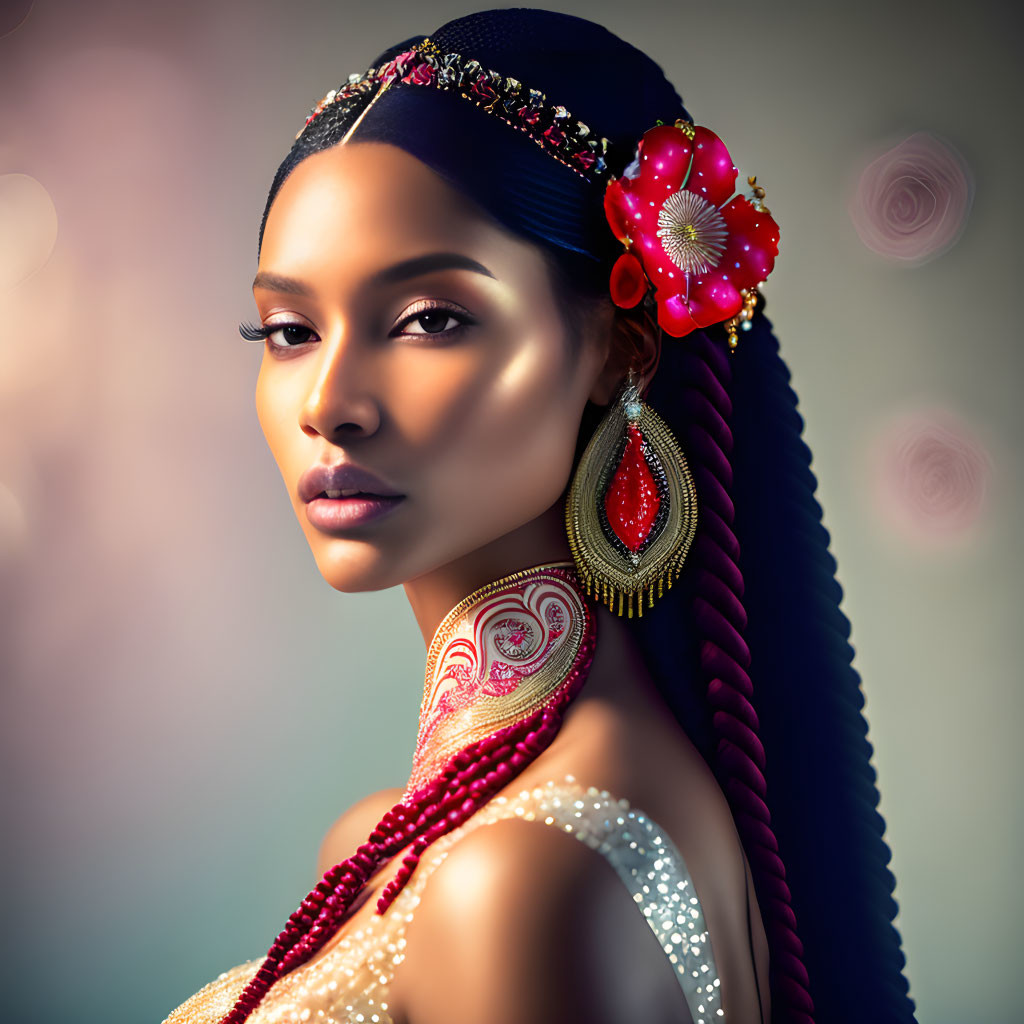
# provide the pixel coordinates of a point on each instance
(510, 651)
(541, 541)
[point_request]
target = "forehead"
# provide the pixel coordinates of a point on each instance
(374, 202)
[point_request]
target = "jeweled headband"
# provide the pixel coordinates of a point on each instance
(701, 254)
(567, 139)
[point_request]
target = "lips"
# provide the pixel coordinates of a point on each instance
(345, 477)
(332, 514)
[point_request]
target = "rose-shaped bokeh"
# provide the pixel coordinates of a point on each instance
(697, 247)
(911, 203)
(930, 475)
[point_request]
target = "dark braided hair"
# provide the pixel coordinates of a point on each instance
(757, 599)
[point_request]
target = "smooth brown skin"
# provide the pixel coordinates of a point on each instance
(477, 426)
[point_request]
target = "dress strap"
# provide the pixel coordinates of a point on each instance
(649, 865)
(352, 981)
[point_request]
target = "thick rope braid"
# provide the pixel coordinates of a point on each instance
(810, 702)
(720, 620)
(469, 780)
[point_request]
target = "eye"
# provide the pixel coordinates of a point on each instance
(292, 334)
(433, 318)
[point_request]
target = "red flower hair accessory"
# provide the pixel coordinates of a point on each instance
(704, 256)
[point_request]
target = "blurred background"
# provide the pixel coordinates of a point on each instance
(187, 705)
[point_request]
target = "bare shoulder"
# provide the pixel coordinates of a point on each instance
(517, 900)
(659, 770)
(352, 827)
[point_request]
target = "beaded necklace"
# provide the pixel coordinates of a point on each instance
(502, 668)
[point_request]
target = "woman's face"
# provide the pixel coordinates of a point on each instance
(423, 344)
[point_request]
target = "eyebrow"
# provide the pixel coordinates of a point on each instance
(413, 267)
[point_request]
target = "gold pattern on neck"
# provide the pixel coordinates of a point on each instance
(497, 657)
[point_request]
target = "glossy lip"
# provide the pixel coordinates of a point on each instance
(342, 513)
(319, 479)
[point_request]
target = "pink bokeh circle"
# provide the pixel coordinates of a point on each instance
(931, 476)
(911, 203)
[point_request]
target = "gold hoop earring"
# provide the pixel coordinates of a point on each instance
(631, 510)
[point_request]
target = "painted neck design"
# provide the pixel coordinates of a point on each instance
(499, 656)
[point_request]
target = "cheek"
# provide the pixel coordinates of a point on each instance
(266, 411)
(501, 422)
(277, 414)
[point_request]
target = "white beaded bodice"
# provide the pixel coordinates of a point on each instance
(351, 982)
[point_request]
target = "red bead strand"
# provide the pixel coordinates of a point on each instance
(467, 782)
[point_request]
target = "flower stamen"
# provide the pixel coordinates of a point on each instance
(692, 231)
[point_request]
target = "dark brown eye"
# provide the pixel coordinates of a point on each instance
(435, 320)
(292, 334)
(430, 318)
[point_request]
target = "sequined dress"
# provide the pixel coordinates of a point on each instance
(351, 983)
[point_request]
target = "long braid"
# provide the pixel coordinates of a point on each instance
(811, 704)
(468, 781)
(720, 619)
(736, 418)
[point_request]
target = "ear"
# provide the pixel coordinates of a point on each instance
(631, 339)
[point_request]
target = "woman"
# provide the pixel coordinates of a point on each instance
(465, 303)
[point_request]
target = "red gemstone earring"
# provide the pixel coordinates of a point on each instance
(631, 511)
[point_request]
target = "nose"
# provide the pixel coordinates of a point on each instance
(339, 404)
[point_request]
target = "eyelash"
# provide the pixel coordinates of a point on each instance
(254, 332)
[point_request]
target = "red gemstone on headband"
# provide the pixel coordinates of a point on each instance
(631, 501)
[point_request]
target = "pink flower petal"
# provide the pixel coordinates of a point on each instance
(714, 298)
(665, 153)
(615, 210)
(674, 317)
(753, 244)
(713, 174)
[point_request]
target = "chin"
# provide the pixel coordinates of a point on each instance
(354, 566)
(352, 563)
